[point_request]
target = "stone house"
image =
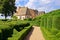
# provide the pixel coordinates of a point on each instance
(24, 12)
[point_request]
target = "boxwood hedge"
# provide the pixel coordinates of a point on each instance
(20, 35)
(50, 24)
(7, 28)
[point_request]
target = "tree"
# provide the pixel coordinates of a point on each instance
(8, 7)
(1, 5)
(12, 6)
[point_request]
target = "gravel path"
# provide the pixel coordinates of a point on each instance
(35, 34)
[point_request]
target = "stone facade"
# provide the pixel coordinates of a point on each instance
(24, 12)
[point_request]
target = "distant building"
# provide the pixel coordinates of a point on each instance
(41, 12)
(24, 12)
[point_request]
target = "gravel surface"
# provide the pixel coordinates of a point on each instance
(35, 34)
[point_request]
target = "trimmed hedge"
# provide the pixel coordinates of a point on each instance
(0, 35)
(49, 22)
(8, 27)
(56, 21)
(42, 21)
(20, 35)
(50, 25)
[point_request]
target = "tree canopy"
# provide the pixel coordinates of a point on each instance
(7, 7)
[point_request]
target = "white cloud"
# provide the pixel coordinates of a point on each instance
(45, 1)
(45, 8)
(17, 1)
(41, 2)
(57, 2)
(31, 4)
(20, 0)
(41, 5)
(36, 4)
(42, 8)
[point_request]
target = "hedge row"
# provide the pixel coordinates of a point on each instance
(6, 28)
(20, 35)
(50, 24)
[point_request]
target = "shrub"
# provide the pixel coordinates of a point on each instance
(56, 21)
(58, 35)
(42, 22)
(49, 22)
(0, 35)
(20, 35)
(52, 21)
(28, 19)
(14, 18)
(7, 28)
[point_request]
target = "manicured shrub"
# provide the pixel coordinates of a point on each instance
(49, 22)
(42, 22)
(20, 35)
(52, 21)
(56, 21)
(6, 33)
(0, 35)
(45, 21)
(58, 35)
(14, 32)
(14, 18)
(7, 28)
(28, 19)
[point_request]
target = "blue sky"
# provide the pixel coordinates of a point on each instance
(41, 5)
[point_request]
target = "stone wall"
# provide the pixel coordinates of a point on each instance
(30, 13)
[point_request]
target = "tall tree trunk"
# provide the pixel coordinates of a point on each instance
(12, 13)
(5, 15)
